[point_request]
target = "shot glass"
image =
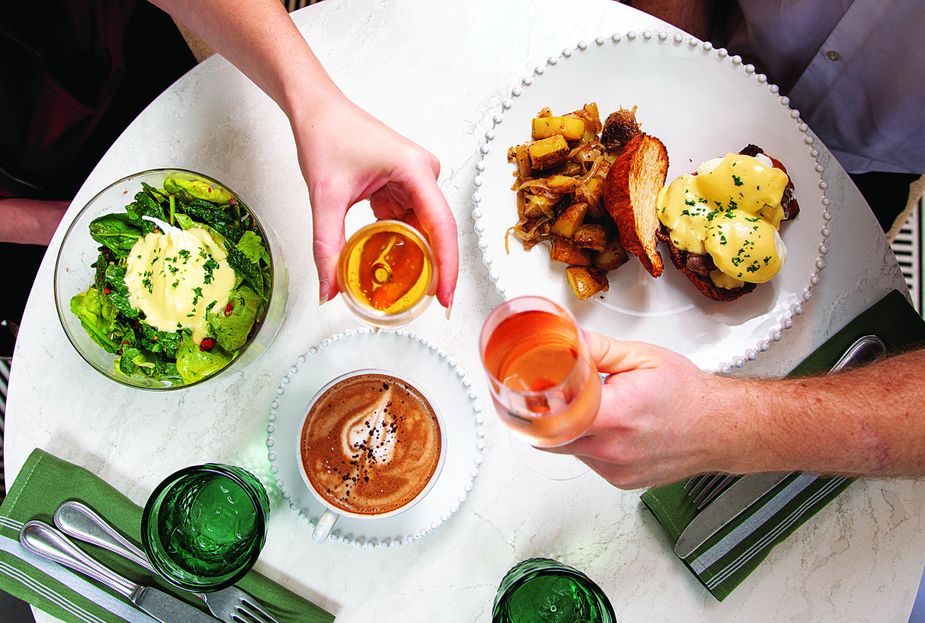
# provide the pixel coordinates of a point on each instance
(540, 590)
(204, 526)
(387, 274)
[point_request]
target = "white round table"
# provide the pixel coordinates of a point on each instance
(437, 71)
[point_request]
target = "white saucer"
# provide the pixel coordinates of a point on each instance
(406, 355)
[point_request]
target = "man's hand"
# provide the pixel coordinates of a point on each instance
(371, 162)
(663, 419)
(655, 423)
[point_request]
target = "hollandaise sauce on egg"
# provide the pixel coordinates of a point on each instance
(175, 277)
(730, 209)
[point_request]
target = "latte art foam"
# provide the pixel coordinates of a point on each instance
(370, 444)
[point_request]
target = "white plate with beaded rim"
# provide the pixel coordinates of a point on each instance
(404, 355)
(702, 103)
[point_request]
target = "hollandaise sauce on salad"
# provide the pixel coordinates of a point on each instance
(182, 282)
(730, 209)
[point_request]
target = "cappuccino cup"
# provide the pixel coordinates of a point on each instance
(371, 445)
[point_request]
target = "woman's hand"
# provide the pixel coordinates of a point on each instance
(346, 156)
(661, 418)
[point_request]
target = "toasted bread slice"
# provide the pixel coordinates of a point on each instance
(630, 194)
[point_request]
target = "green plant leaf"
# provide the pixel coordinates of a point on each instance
(231, 330)
(194, 364)
(118, 291)
(252, 246)
(97, 316)
(215, 217)
(198, 189)
(117, 232)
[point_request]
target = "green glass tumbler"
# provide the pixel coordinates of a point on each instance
(204, 526)
(540, 590)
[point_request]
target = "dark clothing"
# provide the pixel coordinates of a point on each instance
(824, 57)
(73, 75)
(886, 193)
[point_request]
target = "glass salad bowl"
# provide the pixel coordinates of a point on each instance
(166, 278)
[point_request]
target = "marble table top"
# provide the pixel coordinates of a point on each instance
(437, 71)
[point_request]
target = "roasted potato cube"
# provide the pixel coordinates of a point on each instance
(592, 237)
(592, 117)
(521, 156)
(548, 152)
(570, 219)
(592, 193)
(586, 282)
(536, 206)
(612, 257)
(571, 128)
(564, 251)
(562, 184)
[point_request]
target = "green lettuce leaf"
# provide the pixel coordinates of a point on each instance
(216, 217)
(97, 316)
(118, 291)
(145, 205)
(118, 232)
(194, 364)
(231, 331)
(166, 342)
(252, 246)
(198, 189)
(247, 269)
(184, 221)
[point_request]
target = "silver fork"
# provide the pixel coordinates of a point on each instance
(231, 604)
(705, 488)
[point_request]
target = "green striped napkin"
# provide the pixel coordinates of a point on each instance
(727, 558)
(43, 483)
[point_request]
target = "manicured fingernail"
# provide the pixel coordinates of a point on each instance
(324, 297)
(449, 308)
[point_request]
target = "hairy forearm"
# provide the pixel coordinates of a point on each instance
(868, 421)
(259, 38)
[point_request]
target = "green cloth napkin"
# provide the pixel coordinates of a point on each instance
(46, 481)
(727, 558)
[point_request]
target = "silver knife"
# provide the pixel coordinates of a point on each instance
(44, 540)
(729, 505)
(749, 489)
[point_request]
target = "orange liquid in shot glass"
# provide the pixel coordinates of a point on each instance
(387, 268)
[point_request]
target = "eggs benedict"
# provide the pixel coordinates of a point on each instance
(722, 222)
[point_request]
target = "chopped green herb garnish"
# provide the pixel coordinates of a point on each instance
(209, 266)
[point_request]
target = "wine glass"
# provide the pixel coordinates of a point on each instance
(542, 381)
